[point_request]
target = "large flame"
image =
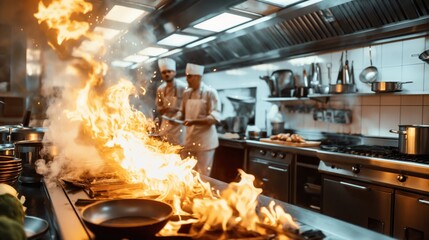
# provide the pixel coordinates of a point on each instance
(117, 137)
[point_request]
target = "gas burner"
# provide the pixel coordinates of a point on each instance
(377, 151)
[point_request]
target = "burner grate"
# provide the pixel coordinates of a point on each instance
(386, 152)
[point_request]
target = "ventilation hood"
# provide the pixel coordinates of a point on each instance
(298, 29)
(304, 28)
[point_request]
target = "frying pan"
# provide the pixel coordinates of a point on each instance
(126, 218)
(381, 87)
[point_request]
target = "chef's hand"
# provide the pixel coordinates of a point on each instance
(188, 122)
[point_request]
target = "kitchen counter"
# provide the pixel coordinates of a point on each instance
(70, 226)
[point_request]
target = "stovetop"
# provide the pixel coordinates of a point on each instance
(376, 151)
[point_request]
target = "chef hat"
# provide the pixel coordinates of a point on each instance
(194, 69)
(166, 64)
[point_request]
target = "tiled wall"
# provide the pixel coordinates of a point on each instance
(373, 114)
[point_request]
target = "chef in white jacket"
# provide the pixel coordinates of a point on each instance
(168, 101)
(200, 111)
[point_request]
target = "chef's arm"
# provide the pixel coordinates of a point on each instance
(214, 115)
(209, 120)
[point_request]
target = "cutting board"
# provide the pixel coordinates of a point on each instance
(293, 144)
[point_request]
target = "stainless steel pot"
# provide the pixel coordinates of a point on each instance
(14, 133)
(413, 139)
(342, 88)
(29, 152)
(381, 87)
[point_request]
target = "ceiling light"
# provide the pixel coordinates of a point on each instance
(222, 22)
(153, 51)
(124, 14)
(177, 40)
(249, 24)
(174, 51)
(107, 33)
(282, 3)
(136, 58)
(123, 64)
(204, 40)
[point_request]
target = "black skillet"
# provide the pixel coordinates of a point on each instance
(126, 218)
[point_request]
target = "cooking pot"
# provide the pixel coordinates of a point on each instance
(342, 88)
(413, 139)
(381, 87)
(126, 218)
(283, 79)
(13, 133)
(29, 152)
(7, 149)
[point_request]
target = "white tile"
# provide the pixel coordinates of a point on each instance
(414, 73)
(389, 119)
(425, 119)
(362, 87)
(411, 50)
(389, 74)
(335, 128)
(426, 78)
(411, 114)
(390, 100)
(356, 124)
(391, 54)
(370, 100)
(411, 100)
(371, 120)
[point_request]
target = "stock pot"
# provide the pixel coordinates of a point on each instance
(413, 139)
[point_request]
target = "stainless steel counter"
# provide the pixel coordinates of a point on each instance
(70, 226)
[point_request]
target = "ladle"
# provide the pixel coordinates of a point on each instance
(369, 74)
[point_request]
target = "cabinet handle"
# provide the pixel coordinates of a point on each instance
(277, 169)
(424, 201)
(353, 185)
(265, 180)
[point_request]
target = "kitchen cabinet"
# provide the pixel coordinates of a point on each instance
(411, 216)
(308, 182)
(229, 156)
(358, 203)
(271, 169)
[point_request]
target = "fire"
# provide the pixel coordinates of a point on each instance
(118, 136)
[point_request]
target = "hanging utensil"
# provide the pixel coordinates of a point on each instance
(340, 72)
(369, 74)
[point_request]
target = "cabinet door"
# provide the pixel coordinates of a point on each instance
(358, 203)
(411, 216)
(273, 178)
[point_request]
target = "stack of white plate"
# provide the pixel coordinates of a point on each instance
(10, 169)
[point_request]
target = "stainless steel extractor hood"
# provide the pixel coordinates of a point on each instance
(300, 29)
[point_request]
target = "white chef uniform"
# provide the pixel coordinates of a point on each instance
(170, 98)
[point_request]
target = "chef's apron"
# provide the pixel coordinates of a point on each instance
(172, 132)
(200, 138)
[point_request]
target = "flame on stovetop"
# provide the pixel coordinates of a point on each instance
(99, 134)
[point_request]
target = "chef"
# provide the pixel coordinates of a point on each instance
(200, 111)
(168, 100)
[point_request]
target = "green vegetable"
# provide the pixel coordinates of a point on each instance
(12, 208)
(11, 230)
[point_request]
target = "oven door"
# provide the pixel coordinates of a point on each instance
(358, 203)
(272, 177)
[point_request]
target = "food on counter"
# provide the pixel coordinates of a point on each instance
(287, 137)
(10, 229)
(12, 208)
(10, 205)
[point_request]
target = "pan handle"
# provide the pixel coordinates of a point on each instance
(398, 132)
(406, 82)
